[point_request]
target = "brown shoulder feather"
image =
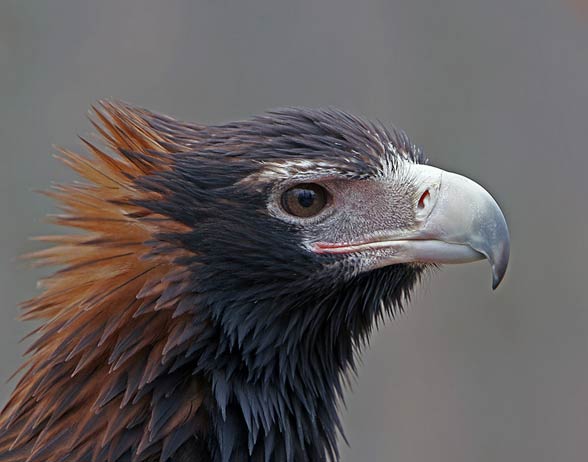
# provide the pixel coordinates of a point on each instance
(108, 332)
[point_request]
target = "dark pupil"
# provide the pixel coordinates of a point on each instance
(306, 197)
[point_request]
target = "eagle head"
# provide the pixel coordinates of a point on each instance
(226, 280)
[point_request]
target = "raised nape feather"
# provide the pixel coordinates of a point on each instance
(155, 343)
(89, 389)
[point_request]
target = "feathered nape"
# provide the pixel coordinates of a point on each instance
(171, 331)
(108, 323)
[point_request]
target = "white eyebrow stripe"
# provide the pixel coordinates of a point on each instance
(297, 168)
(387, 165)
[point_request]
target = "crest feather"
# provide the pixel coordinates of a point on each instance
(87, 392)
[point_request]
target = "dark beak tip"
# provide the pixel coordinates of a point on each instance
(499, 267)
(497, 277)
(496, 281)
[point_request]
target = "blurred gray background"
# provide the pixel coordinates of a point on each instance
(497, 90)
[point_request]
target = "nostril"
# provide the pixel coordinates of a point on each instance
(424, 200)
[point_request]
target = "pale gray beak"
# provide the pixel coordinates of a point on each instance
(456, 221)
(459, 220)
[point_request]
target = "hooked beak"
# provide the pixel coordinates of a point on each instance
(457, 221)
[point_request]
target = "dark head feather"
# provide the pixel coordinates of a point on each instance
(187, 322)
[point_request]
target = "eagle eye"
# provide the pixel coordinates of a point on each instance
(305, 200)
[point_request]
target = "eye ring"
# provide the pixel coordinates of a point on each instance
(304, 200)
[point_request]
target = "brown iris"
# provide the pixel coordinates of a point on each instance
(305, 200)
